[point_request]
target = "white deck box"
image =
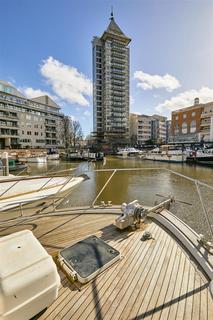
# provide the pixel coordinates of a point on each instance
(29, 280)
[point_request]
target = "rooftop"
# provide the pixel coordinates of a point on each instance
(114, 31)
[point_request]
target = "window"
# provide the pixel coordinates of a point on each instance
(176, 117)
(22, 132)
(193, 114)
(176, 129)
(184, 128)
(184, 116)
(193, 126)
(29, 133)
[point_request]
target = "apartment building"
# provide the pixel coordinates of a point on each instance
(206, 123)
(193, 124)
(29, 123)
(144, 128)
(111, 85)
(159, 129)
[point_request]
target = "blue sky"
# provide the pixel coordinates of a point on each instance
(46, 47)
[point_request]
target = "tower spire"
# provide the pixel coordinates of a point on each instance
(111, 15)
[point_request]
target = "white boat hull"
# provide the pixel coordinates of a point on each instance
(37, 160)
(166, 158)
(53, 156)
(14, 193)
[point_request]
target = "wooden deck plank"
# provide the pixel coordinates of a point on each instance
(162, 283)
(203, 301)
(108, 278)
(154, 255)
(131, 258)
(168, 299)
(128, 288)
(163, 287)
(210, 305)
(177, 289)
(183, 291)
(150, 294)
(71, 300)
(196, 298)
(75, 303)
(189, 295)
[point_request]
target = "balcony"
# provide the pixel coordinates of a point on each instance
(8, 115)
(3, 125)
(8, 132)
(206, 115)
(119, 66)
(205, 123)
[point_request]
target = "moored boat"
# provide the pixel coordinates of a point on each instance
(34, 159)
(53, 156)
(16, 191)
(128, 152)
(166, 154)
(204, 158)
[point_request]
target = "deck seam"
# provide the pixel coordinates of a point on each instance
(112, 277)
(150, 257)
(122, 244)
(89, 287)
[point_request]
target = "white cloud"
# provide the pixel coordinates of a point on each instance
(186, 99)
(67, 82)
(34, 93)
(147, 81)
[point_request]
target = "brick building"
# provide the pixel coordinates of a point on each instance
(192, 124)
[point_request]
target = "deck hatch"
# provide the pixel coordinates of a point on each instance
(89, 257)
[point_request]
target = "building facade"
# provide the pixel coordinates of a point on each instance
(144, 128)
(206, 123)
(193, 124)
(111, 85)
(29, 123)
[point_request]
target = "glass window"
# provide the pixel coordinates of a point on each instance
(193, 126)
(177, 128)
(184, 127)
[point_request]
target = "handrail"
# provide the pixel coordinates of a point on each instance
(16, 182)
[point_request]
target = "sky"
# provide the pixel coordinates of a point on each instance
(45, 48)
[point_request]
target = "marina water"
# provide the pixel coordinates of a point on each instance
(145, 184)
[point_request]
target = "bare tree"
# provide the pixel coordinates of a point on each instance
(77, 133)
(68, 123)
(73, 133)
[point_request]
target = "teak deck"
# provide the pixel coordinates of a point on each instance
(156, 279)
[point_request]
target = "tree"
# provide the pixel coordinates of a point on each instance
(149, 142)
(68, 131)
(77, 133)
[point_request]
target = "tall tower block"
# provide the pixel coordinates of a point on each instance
(111, 85)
